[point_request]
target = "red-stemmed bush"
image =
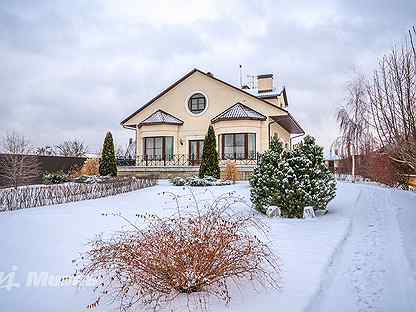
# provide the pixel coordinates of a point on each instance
(192, 256)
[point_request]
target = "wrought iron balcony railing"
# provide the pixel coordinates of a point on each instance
(183, 160)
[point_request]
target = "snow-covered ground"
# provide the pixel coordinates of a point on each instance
(360, 256)
(375, 269)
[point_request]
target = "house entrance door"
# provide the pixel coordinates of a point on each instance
(196, 148)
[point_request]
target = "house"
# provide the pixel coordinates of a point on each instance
(171, 127)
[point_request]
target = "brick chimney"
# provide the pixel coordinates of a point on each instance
(265, 83)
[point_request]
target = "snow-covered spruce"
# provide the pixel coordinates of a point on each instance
(292, 179)
(264, 178)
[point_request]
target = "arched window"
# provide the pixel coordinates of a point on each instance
(197, 103)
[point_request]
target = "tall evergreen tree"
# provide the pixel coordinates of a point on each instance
(210, 163)
(108, 164)
(264, 178)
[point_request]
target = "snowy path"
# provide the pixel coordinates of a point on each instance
(372, 271)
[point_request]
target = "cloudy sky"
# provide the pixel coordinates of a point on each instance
(77, 68)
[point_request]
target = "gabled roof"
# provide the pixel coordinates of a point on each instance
(185, 77)
(289, 123)
(237, 112)
(161, 117)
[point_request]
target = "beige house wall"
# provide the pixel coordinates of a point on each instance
(219, 98)
(279, 101)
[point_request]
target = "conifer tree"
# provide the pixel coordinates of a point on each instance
(210, 162)
(265, 178)
(108, 164)
(303, 180)
(322, 186)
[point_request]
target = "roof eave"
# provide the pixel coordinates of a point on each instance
(159, 123)
(238, 118)
(131, 127)
(293, 127)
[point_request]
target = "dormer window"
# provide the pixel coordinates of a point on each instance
(197, 103)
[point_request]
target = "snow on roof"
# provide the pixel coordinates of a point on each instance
(258, 94)
(239, 111)
(161, 117)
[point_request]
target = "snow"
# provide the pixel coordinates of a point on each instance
(374, 271)
(367, 227)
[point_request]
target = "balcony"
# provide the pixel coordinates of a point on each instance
(183, 160)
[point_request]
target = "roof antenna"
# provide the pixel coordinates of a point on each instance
(241, 76)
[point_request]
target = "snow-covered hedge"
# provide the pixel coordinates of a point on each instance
(92, 179)
(196, 181)
(292, 179)
(43, 195)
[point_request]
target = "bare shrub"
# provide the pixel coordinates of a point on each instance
(75, 172)
(231, 171)
(192, 256)
(91, 167)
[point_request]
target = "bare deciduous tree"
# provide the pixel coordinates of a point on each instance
(17, 166)
(380, 111)
(74, 148)
(45, 150)
(353, 119)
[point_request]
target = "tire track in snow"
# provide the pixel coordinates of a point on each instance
(328, 275)
(368, 258)
(371, 271)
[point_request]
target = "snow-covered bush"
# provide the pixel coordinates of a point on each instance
(195, 255)
(196, 181)
(55, 177)
(178, 181)
(264, 178)
(303, 180)
(92, 179)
